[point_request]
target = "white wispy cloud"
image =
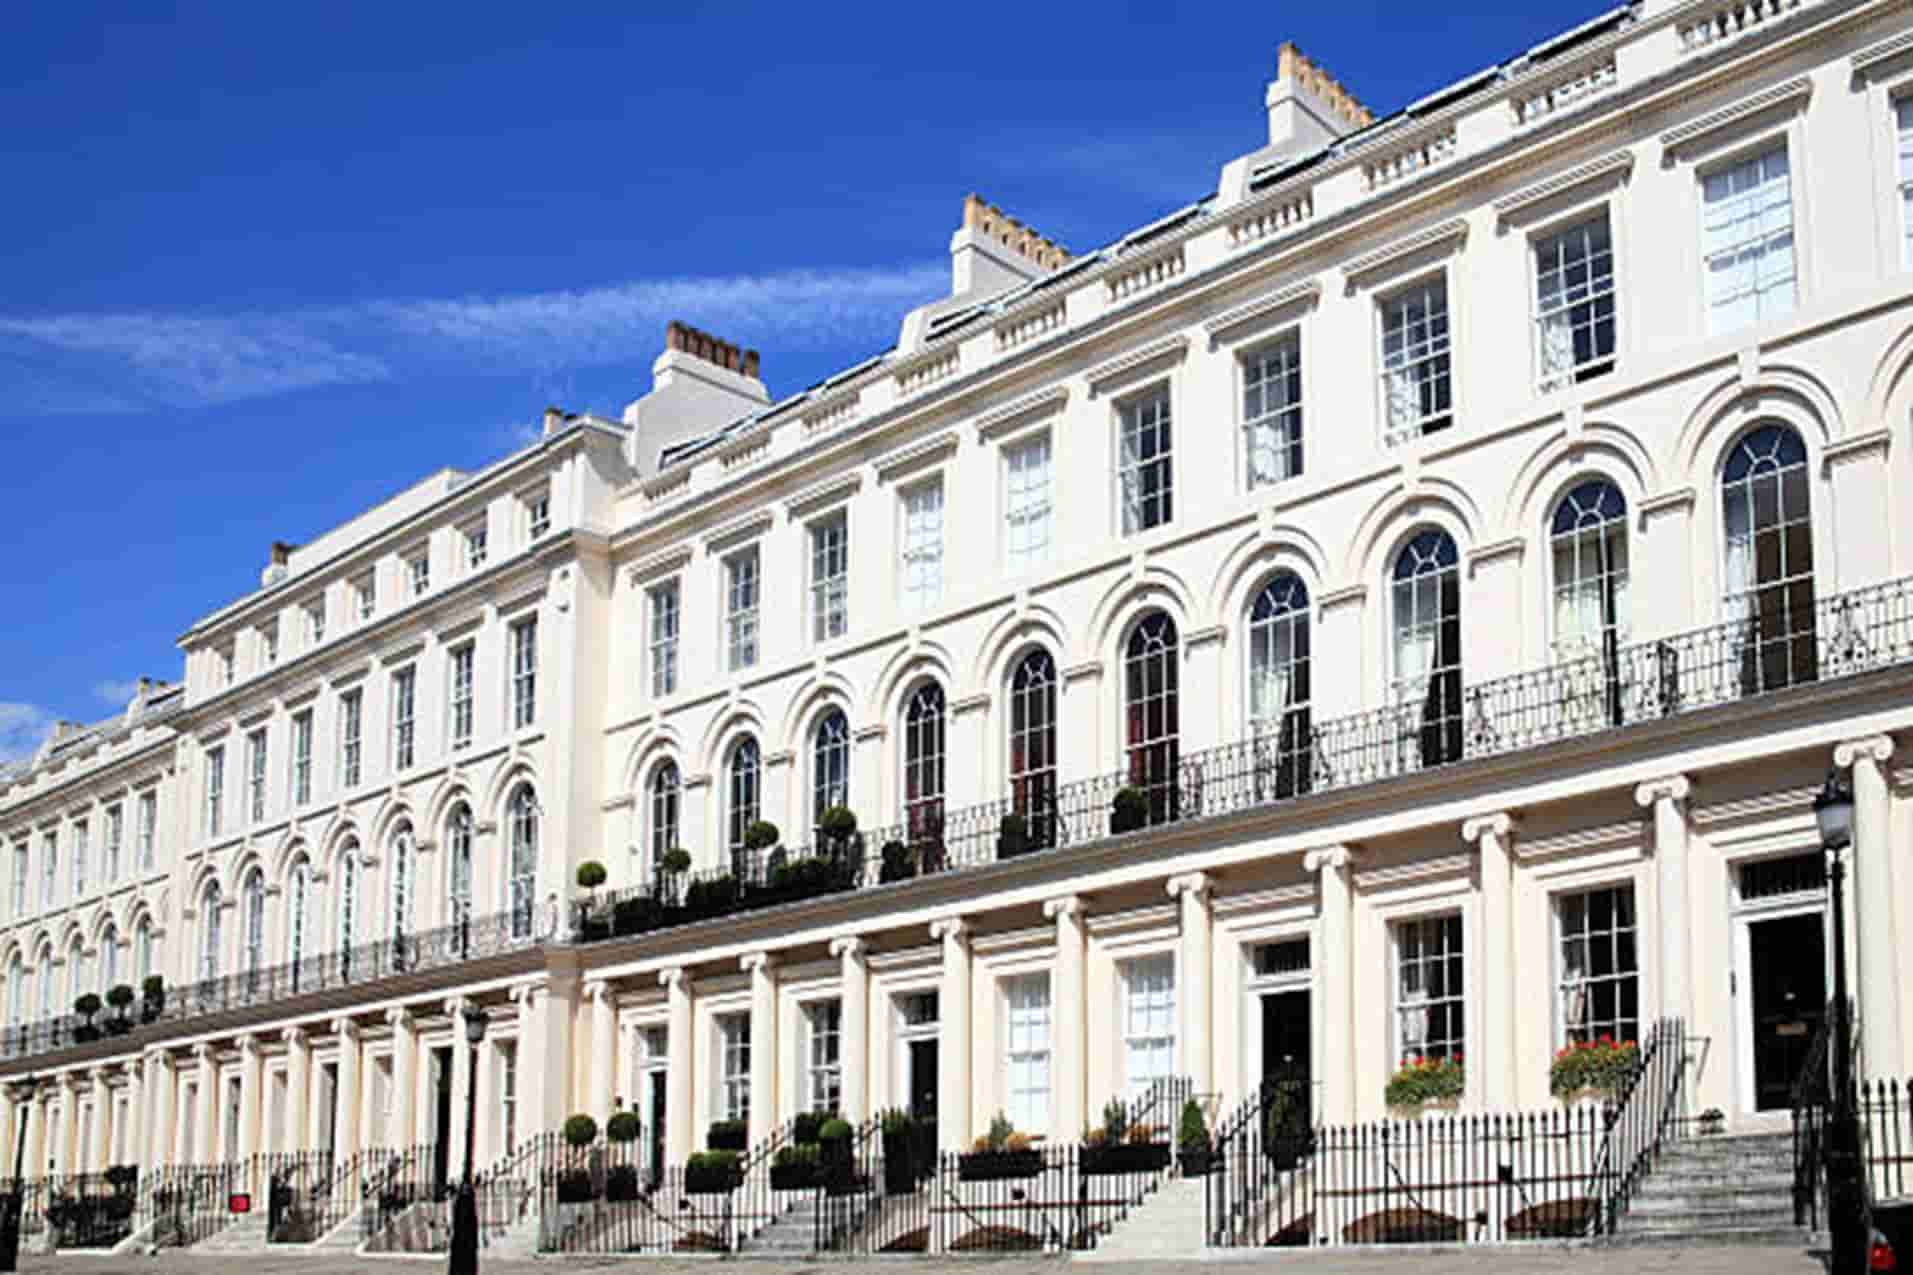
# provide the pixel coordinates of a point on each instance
(23, 727)
(128, 361)
(115, 694)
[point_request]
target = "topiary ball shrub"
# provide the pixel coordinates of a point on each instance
(761, 835)
(838, 823)
(676, 860)
(591, 874)
(120, 995)
(623, 1127)
(581, 1131)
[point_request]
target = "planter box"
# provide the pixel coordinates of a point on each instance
(841, 1181)
(995, 1166)
(1136, 1157)
(1197, 1162)
(576, 1188)
(621, 1184)
(703, 1181)
(735, 1138)
(794, 1177)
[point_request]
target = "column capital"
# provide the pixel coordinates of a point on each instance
(345, 1029)
(203, 1053)
(294, 1037)
(398, 1017)
(1874, 748)
(97, 1074)
(1332, 858)
(758, 962)
(598, 989)
(950, 927)
(1667, 788)
(526, 994)
(675, 977)
(1070, 906)
(1200, 884)
(158, 1055)
(1497, 825)
(248, 1043)
(849, 945)
(455, 1007)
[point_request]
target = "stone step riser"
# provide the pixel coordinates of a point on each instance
(1737, 1204)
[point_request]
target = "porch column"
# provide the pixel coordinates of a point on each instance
(98, 1154)
(206, 1148)
(400, 1131)
(1334, 866)
(525, 997)
(678, 1133)
(953, 1035)
(762, 967)
(1667, 798)
(1193, 995)
(251, 1084)
(854, 978)
(162, 1104)
(1878, 986)
(461, 1083)
(1491, 835)
(292, 1130)
(1068, 1001)
(345, 1135)
(604, 1048)
(36, 1132)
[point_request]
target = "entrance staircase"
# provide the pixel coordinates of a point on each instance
(1167, 1226)
(793, 1233)
(1717, 1190)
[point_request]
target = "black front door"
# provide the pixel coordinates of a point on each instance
(923, 1106)
(442, 1127)
(1287, 1095)
(1789, 998)
(660, 1088)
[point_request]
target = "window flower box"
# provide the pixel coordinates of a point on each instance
(1592, 1069)
(998, 1166)
(1127, 1157)
(713, 1173)
(1425, 1086)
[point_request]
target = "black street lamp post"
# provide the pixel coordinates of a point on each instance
(464, 1246)
(1846, 1196)
(15, 1201)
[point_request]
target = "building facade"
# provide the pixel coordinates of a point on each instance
(1400, 606)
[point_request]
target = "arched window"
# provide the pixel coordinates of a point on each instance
(16, 991)
(523, 885)
(1152, 712)
(144, 958)
(43, 963)
(211, 924)
(1033, 745)
(664, 812)
(399, 901)
(298, 901)
(254, 894)
(458, 867)
(1767, 514)
(1588, 540)
(923, 763)
(829, 765)
(109, 958)
(744, 796)
(346, 902)
(1279, 686)
(76, 972)
(1427, 603)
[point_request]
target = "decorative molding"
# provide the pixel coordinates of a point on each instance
(1421, 870)
(950, 927)
(1870, 59)
(1258, 902)
(1677, 140)
(598, 989)
(1173, 347)
(1857, 447)
(1874, 748)
(1513, 547)
(659, 564)
(1134, 921)
(1608, 836)
(829, 492)
(674, 977)
(737, 532)
(864, 734)
(1767, 804)
(624, 801)
(1295, 296)
(1680, 498)
(294, 1037)
(1204, 636)
(758, 962)
(1616, 167)
(999, 420)
(1675, 788)
(1198, 884)
(1498, 825)
(969, 703)
(1070, 905)
(1334, 858)
(1348, 595)
(1034, 940)
(347, 1029)
(850, 945)
(1452, 233)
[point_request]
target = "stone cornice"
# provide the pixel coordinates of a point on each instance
(1264, 309)
(1447, 235)
(736, 532)
(1609, 836)
(1434, 869)
(1680, 498)
(919, 455)
(1874, 58)
(1100, 376)
(1677, 142)
(832, 491)
(1611, 167)
(1000, 420)
(659, 564)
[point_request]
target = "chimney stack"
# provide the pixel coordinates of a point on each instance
(554, 420)
(1308, 107)
(278, 563)
(702, 345)
(992, 251)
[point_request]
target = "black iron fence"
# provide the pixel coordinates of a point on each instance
(82, 1210)
(187, 1203)
(309, 1194)
(1608, 689)
(1276, 1179)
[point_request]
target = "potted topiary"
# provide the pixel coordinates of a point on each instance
(834, 1152)
(1129, 811)
(1195, 1154)
(711, 897)
(727, 1135)
(86, 1005)
(1000, 1154)
(592, 925)
(836, 830)
(153, 991)
(621, 1180)
(900, 1169)
(120, 997)
(1012, 836)
(804, 1125)
(712, 1173)
(897, 865)
(794, 1168)
(637, 914)
(575, 1186)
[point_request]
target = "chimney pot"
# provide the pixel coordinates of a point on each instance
(281, 553)
(554, 419)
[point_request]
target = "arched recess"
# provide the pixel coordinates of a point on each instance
(663, 740)
(901, 672)
(1385, 526)
(391, 815)
(449, 792)
(1730, 406)
(1604, 448)
(1283, 547)
(1116, 610)
(721, 734)
(508, 779)
(817, 692)
(1004, 641)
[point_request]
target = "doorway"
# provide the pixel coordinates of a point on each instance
(658, 1110)
(1787, 999)
(329, 1108)
(442, 1126)
(1287, 1094)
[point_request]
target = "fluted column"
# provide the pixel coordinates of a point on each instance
(162, 1099)
(1069, 1064)
(604, 1048)
(678, 1133)
(461, 1084)
(854, 979)
(1667, 798)
(1878, 986)
(98, 1154)
(1193, 994)
(292, 1130)
(251, 1084)
(953, 1034)
(762, 967)
(1336, 1038)
(206, 1148)
(345, 1136)
(1492, 835)
(400, 1130)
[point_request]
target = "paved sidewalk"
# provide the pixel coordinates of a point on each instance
(1406, 1261)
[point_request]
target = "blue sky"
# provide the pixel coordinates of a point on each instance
(263, 265)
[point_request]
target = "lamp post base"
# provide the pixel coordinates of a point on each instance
(465, 1232)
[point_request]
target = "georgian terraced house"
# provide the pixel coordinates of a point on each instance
(1465, 540)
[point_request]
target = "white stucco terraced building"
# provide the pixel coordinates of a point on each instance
(1472, 530)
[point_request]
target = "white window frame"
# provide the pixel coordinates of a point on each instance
(1785, 296)
(315, 621)
(404, 718)
(1134, 426)
(734, 1066)
(301, 775)
(461, 671)
(115, 836)
(1570, 300)
(1271, 381)
(1421, 359)
(269, 644)
(81, 836)
(474, 539)
(920, 533)
(829, 557)
(537, 506)
(1901, 106)
(663, 617)
(1027, 1050)
(418, 569)
(524, 672)
(1147, 986)
(49, 868)
(215, 788)
(823, 1055)
(365, 596)
(351, 739)
(1409, 1042)
(1029, 505)
(1573, 996)
(22, 876)
(256, 760)
(743, 595)
(148, 830)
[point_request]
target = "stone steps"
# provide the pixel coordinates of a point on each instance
(1717, 1191)
(1167, 1225)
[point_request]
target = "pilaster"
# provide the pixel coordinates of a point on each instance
(953, 1039)
(1491, 1070)
(1069, 1047)
(679, 1095)
(1333, 867)
(762, 967)
(1877, 989)
(1667, 799)
(854, 980)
